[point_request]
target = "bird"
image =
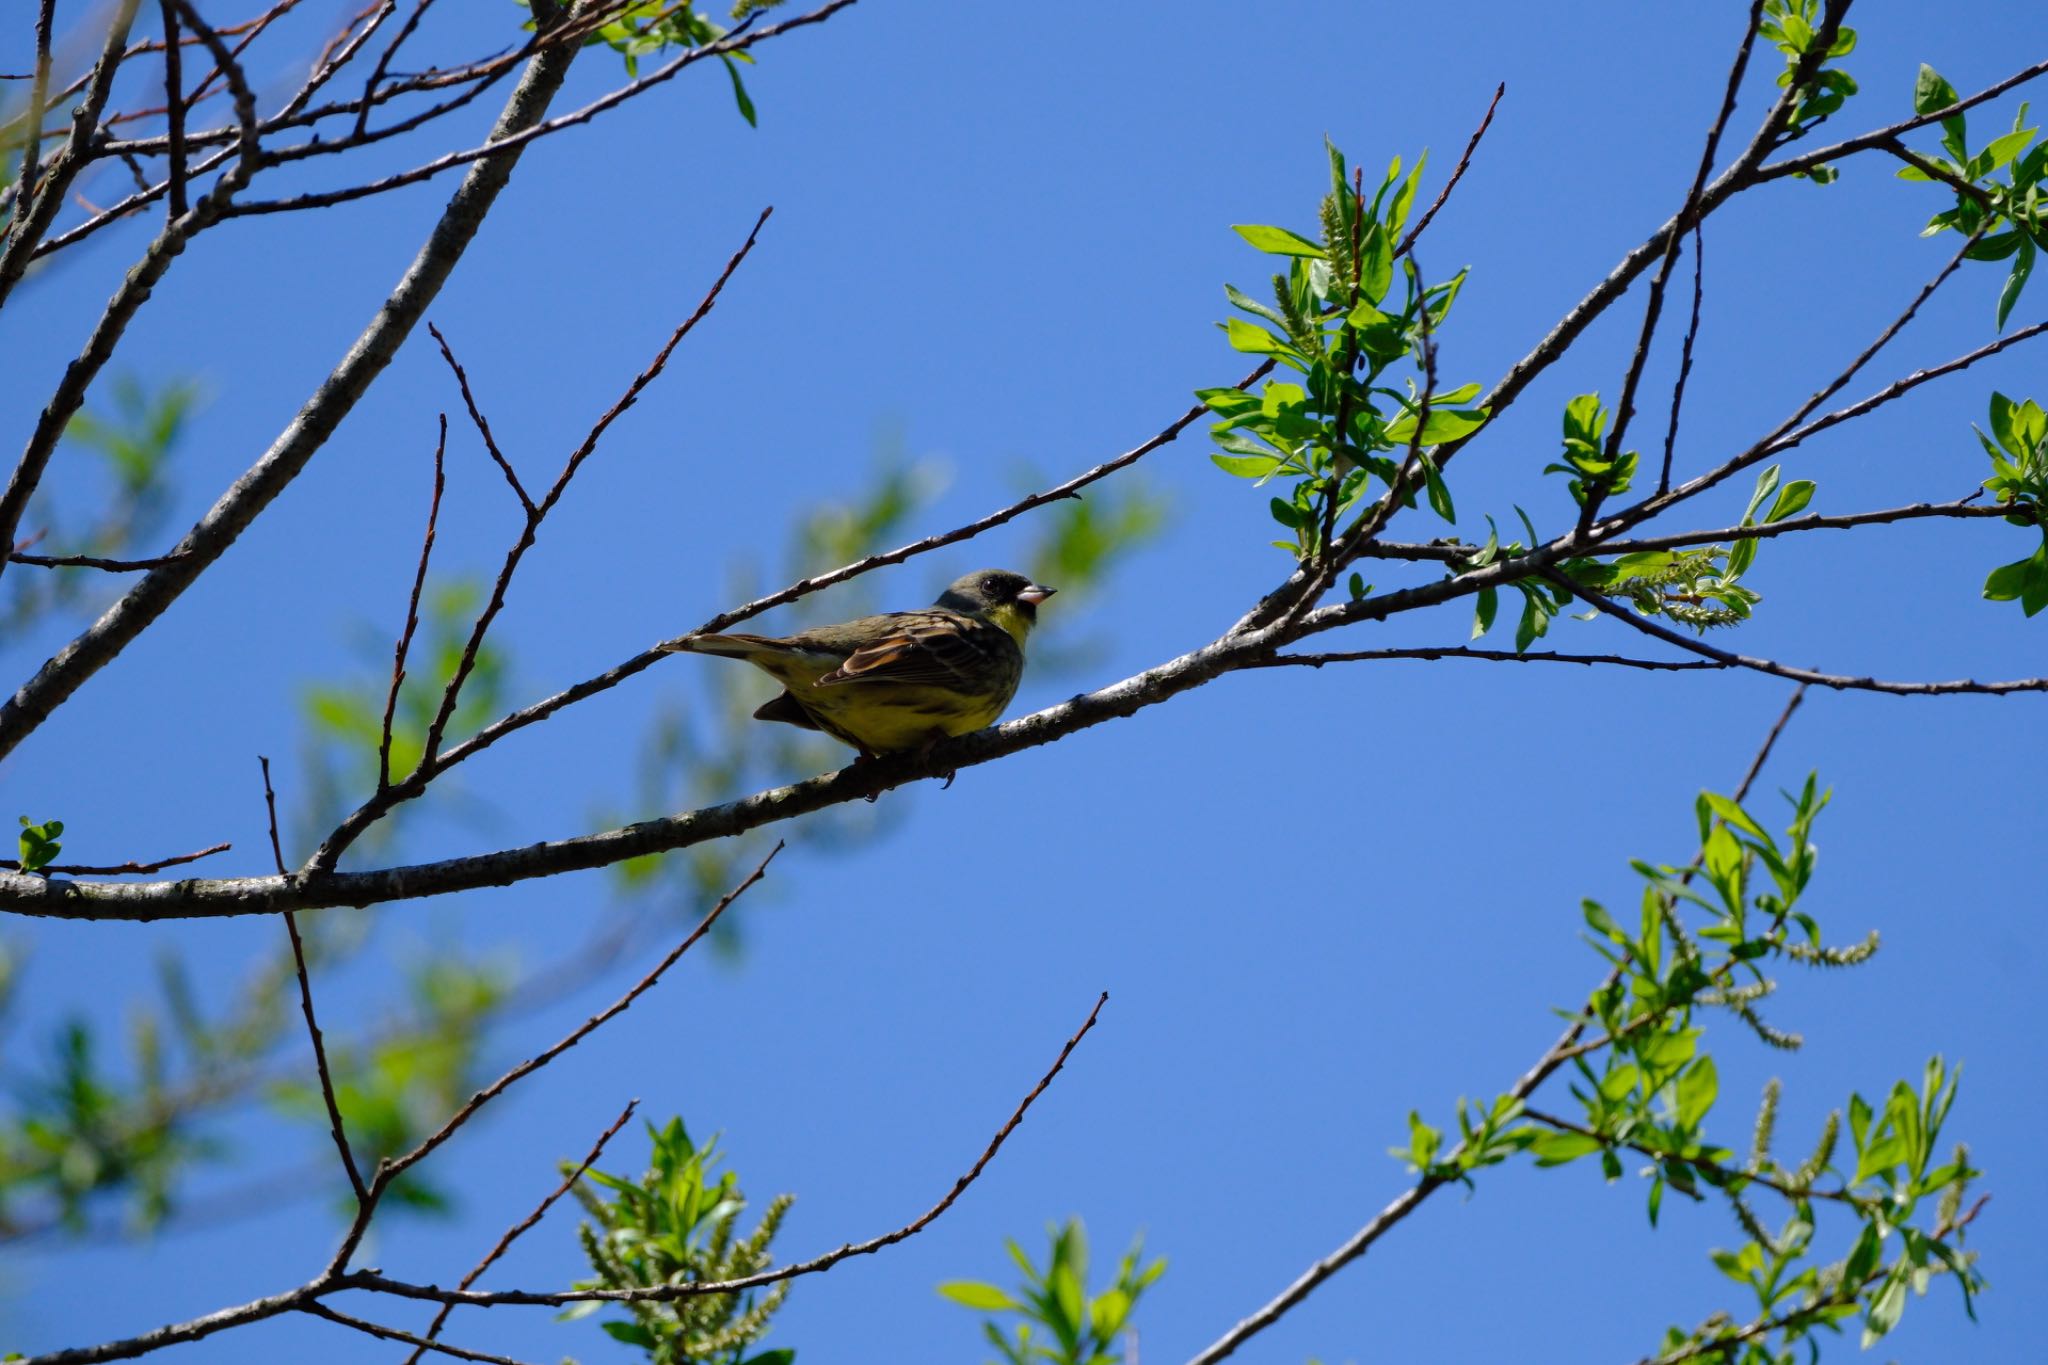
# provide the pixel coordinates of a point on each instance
(903, 680)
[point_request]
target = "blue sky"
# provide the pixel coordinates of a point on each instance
(1317, 899)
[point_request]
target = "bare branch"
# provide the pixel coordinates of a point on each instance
(1821, 156)
(291, 924)
(37, 200)
(741, 38)
(692, 1289)
(1783, 440)
(1692, 332)
(520, 1228)
(1962, 508)
(1412, 1198)
(412, 609)
(481, 423)
(32, 117)
(1625, 406)
(314, 1308)
(1495, 655)
(308, 431)
(174, 107)
(389, 1170)
(119, 869)
(1838, 681)
(1457, 174)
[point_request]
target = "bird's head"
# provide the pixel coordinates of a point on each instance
(1008, 599)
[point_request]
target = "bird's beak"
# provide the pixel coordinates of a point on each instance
(1034, 594)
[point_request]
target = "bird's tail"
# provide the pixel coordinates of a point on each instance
(729, 646)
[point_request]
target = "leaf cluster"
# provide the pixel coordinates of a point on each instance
(1334, 323)
(2009, 218)
(2018, 447)
(1055, 1320)
(1793, 27)
(676, 1224)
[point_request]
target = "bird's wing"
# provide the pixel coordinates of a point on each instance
(936, 648)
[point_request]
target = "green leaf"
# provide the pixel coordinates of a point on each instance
(1930, 92)
(2015, 280)
(1254, 340)
(1248, 466)
(1483, 611)
(1766, 484)
(978, 1295)
(1698, 1085)
(1557, 1148)
(1277, 241)
(1439, 492)
(1792, 499)
(1445, 425)
(739, 93)
(1886, 1309)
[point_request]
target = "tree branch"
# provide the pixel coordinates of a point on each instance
(335, 1126)
(1412, 1198)
(308, 431)
(1838, 681)
(372, 1280)
(524, 1225)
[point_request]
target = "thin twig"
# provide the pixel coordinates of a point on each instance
(1625, 406)
(412, 21)
(1863, 142)
(1412, 1198)
(1962, 508)
(520, 1228)
(291, 925)
(390, 1169)
(32, 117)
(119, 869)
(92, 562)
(1457, 173)
(1692, 332)
(317, 1309)
(1498, 655)
(738, 40)
(1838, 681)
(412, 608)
(174, 107)
(1777, 444)
(481, 423)
(336, 397)
(371, 1280)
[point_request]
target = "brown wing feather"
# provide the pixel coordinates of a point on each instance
(932, 648)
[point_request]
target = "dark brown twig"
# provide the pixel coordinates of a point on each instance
(412, 21)
(1494, 655)
(291, 925)
(32, 117)
(1457, 173)
(389, 1170)
(412, 607)
(1838, 681)
(119, 869)
(739, 39)
(817, 1264)
(174, 107)
(1692, 333)
(91, 562)
(1863, 142)
(317, 1309)
(520, 1228)
(482, 424)
(1412, 1198)
(1625, 406)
